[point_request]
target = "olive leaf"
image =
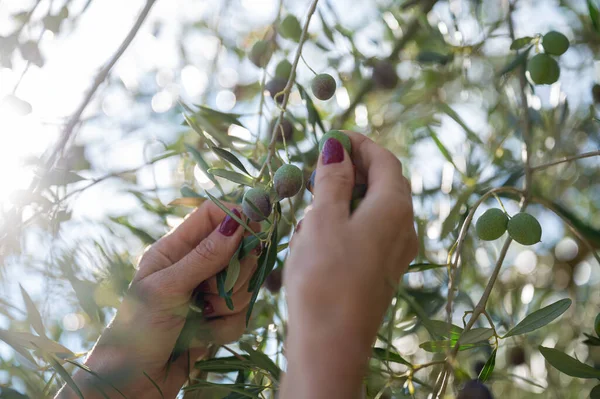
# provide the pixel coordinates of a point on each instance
(595, 392)
(33, 315)
(203, 165)
(65, 376)
(568, 365)
(476, 335)
(488, 367)
(261, 360)
(519, 43)
(187, 191)
(229, 212)
(267, 261)
(516, 62)
(188, 201)
(229, 157)
(233, 270)
(384, 355)
(539, 318)
(232, 176)
(594, 15)
(443, 346)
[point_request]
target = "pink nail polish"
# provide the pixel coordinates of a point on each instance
(229, 225)
(208, 309)
(333, 152)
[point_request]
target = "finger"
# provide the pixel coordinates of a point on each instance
(215, 306)
(387, 203)
(296, 231)
(221, 330)
(205, 260)
(247, 268)
(334, 181)
(195, 227)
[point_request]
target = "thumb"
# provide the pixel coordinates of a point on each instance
(334, 180)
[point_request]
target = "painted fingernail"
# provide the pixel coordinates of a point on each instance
(208, 309)
(333, 152)
(229, 224)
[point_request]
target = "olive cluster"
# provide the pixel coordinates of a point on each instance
(543, 68)
(522, 227)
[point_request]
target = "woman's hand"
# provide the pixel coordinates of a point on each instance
(143, 334)
(343, 269)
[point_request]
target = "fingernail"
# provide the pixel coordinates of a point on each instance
(229, 224)
(207, 309)
(333, 152)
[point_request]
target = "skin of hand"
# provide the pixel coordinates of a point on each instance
(149, 321)
(343, 268)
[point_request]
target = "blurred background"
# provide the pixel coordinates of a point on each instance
(87, 183)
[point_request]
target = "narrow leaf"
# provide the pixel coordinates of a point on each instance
(265, 269)
(594, 15)
(202, 165)
(454, 115)
(441, 147)
(521, 42)
(233, 270)
(232, 176)
(33, 315)
(595, 392)
(389, 356)
(488, 368)
(540, 318)
(65, 376)
(261, 360)
(568, 365)
(188, 201)
(223, 293)
(516, 62)
(229, 157)
(443, 346)
(449, 224)
(421, 267)
(251, 242)
(476, 335)
(187, 191)
(155, 385)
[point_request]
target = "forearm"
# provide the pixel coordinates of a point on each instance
(324, 370)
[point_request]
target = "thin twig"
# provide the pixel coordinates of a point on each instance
(287, 90)
(567, 159)
(99, 79)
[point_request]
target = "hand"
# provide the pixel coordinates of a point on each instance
(343, 269)
(149, 321)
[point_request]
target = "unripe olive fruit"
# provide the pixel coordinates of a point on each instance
(310, 184)
(474, 389)
(596, 93)
(524, 229)
(543, 69)
(384, 75)
(256, 204)
(276, 86)
(491, 225)
(290, 28)
(284, 130)
(287, 181)
(283, 70)
(339, 136)
(323, 86)
(555, 43)
(261, 53)
(597, 325)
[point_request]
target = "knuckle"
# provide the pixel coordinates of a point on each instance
(207, 251)
(338, 178)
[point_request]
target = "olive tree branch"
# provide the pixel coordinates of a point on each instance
(98, 80)
(566, 159)
(367, 85)
(287, 90)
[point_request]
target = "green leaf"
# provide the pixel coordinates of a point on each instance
(187, 191)
(233, 270)
(224, 364)
(261, 360)
(441, 147)
(60, 177)
(188, 201)
(594, 15)
(203, 165)
(139, 233)
(445, 330)
(229, 157)
(540, 318)
(33, 342)
(488, 368)
(313, 114)
(33, 315)
(432, 57)
(224, 117)
(326, 29)
(65, 376)
(223, 293)
(228, 212)
(454, 115)
(591, 340)
(251, 242)
(6, 338)
(443, 346)
(263, 271)
(595, 392)
(518, 44)
(155, 385)
(476, 335)
(516, 62)
(568, 365)
(232, 176)
(384, 355)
